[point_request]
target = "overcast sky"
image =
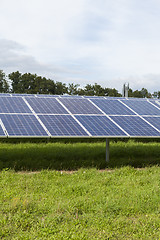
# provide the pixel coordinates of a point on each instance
(83, 41)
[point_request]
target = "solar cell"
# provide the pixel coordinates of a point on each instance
(115, 98)
(112, 107)
(71, 96)
(2, 134)
(80, 106)
(155, 121)
(22, 95)
(90, 97)
(22, 125)
(65, 125)
(135, 126)
(47, 96)
(13, 105)
(5, 94)
(156, 103)
(46, 105)
(142, 107)
(100, 126)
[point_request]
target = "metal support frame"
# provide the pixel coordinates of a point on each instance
(107, 150)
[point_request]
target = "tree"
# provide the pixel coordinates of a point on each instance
(31, 83)
(145, 93)
(73, 89)
(111, 92)
(60, 88)
(89, 90)
(98, 90)
(130, 92)
(4, 86)
(15, 80)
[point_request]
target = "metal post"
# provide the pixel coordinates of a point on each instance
(107, 150)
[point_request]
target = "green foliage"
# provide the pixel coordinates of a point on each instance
(86, 204)
(143, 93)
(60, 88)
(72, 89)
(33, 84)
(4, 85)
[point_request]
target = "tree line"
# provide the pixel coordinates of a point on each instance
(17, 82)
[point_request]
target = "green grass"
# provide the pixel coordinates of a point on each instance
(72, 156)
(88, 204)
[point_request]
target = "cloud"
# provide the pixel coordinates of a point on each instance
(83, 41)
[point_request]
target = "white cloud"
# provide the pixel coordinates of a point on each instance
(83, 41)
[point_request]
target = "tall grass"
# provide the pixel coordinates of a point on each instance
(72, 156)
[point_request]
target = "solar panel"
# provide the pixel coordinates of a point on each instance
(2, 134)
(135, 126)
(156, 103)
(100, 126)
(115, 98)
(22, 95)
(71, 96)
(90, 97)
(5, 95)
(155, 121)
(13, 105)
(47, 96)
(46, 105)
(43, 115)
(22, 125)
(112, 107)
(80, 106)
(142, 107)
(65, 125)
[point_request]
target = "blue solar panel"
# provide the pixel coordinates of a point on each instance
(142, 107)
(5, 95)
(65, 125)
(155, 121)
(100, 126)
(13, 105)
(90, 97)
(1, 132)
(22, 95)
(115, 98)
(47, 96)
(135, 126)
(71, 96)
(20, 121)
(112, 107)
(156, 102)
(80, 106)
(46, 105)
(22, 125)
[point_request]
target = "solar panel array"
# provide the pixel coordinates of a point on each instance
(23, 115)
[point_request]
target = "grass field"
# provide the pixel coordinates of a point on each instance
(94, 200)
(88, 204)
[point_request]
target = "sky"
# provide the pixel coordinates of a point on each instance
(83, 41)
